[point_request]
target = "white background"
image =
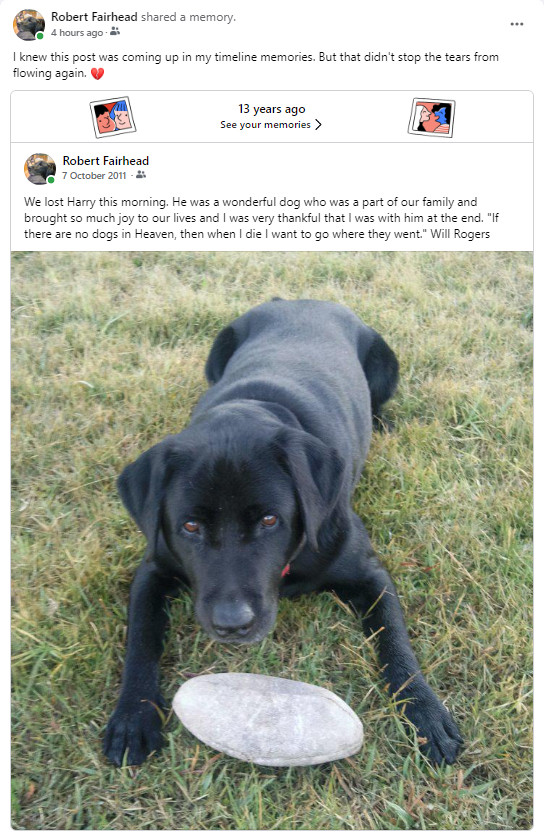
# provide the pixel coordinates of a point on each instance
(351, 151)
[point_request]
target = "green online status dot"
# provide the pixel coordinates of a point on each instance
(50, 179)
(39, 36)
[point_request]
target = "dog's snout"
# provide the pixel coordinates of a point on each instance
(232, 619)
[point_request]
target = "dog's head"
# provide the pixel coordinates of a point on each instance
(233, 507)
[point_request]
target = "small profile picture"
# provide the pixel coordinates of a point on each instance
(29, 25)
(40, 169)
(110, 117)
(432, 117)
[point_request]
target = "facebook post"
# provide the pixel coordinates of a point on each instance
(271, 395)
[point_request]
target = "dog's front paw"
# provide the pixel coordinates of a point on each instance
(135, 727)
(438, 735)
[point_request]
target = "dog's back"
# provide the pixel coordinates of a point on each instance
(314, 358)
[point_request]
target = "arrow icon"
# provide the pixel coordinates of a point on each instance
(318, 124)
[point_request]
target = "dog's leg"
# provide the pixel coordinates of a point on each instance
(360, 580)
(381, 369)
(135, 725)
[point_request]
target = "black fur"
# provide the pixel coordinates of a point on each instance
(28, 23)
(262, 478)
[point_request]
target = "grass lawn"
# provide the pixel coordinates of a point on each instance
(108, 356)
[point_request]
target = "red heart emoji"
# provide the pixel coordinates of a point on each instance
(97, 73)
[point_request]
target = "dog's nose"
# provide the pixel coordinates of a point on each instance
(232, 619)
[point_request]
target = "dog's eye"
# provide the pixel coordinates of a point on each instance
(191, 527)
(269, 521)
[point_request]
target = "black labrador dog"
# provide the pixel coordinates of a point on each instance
(252, 502)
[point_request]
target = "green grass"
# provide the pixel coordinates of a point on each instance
(108, 355)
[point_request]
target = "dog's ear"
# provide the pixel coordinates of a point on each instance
(142, 486)
(319, 475)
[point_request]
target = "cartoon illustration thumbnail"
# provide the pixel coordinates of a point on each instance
(111, 117)
(432, 117)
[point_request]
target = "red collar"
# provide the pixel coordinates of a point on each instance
(299, 548)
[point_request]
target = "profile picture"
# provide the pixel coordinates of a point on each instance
(40, 169)
(28, 24)
(111, 117)
(432, 117)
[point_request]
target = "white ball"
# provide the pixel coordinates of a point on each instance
(268, 720)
